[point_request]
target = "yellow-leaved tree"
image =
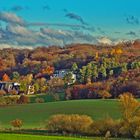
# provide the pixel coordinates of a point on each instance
(130, 107)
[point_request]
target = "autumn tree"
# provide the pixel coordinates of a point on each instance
(17, 123)
(48, 70)
(104, 94)
(29, 78)
(23, 87)
(135, 65)
(131, 116)
(1, 64)
(25, 82)
(5, 77)
(130, 107)
(56, 84)
(117, 51)
(40, 85)
(124, 67)
(96, 55)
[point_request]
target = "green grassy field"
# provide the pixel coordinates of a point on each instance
(47, 97)
(35, 137)
(34, 115)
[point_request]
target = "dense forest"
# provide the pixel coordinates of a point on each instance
(101, 71)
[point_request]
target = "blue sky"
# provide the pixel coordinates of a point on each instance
(111, 19)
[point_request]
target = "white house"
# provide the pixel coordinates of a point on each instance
(61, 73)
(8, 86)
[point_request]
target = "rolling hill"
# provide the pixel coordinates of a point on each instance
(34, 115)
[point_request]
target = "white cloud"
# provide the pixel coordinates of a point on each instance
(11, 18)
(2, 46)
(18, 30)
(18, 33)
(105, 41)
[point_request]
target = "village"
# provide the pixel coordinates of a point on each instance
(70, 70)
(9, 86)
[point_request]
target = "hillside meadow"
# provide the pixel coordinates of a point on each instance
(35, 137)
(34, 115)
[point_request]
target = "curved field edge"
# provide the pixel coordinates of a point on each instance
(34, 115)
(38, 137)
(4, 136)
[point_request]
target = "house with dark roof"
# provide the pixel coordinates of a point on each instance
(9, 86)
(61, 74)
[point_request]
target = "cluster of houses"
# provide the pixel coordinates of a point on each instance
(9, 86)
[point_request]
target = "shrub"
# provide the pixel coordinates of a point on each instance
(109, 125)
(101, 127)
(8, 100)
(17, 123)
(131, 128)
(56, 97)
(23, 99)
(2, 101)
(69, 123)
(2, 92)
(137, 133)
(107, 135)
(13, 92)
(104, 94)
(76, 124)
(68, 94)
(94, 129)
(11, 100)
(39, 100)
(124, 130)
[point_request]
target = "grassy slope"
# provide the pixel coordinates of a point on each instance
(34, 115)
(33, 137)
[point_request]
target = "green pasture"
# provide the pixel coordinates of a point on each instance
(35, 115)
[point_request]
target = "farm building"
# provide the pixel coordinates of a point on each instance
(61, 74)
(8, 86)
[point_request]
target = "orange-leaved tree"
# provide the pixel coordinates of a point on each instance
(48, 70)
(5, 77)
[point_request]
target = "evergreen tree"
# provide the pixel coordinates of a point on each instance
(103, 71)
(74, 68)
